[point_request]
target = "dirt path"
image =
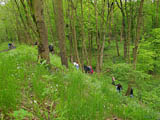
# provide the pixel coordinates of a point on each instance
(6, 50)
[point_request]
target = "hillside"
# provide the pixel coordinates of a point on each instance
(40, 92)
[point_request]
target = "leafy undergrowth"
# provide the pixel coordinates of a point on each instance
(34, 91)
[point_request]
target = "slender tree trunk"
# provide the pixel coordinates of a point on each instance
(128, 90)
(76, 53)
(157, 13)
(69, 26)
(110, 28)
(43, 50)
(129, 39)
(97, 39)
(124, 36)
(138, 33)
(59, 20)
(26, 33)
(89, 35)
(90, 47)
(84, 49)
(31, 28)
(129, 15)
(124, 27)
(50, 24)
(116, 40)
(121, 35)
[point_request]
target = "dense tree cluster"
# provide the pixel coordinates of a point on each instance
(82, 30)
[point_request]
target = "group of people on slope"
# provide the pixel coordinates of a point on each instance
(119, 87)
(87, 69)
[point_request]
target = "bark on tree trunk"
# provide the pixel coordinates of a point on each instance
(69, 28)
(157, 13)
(116, 40)
(76, 53)
(31, 27)
(138, 33)
(89, 35)
(59, 20)
(26, 32)
(97, 39)
(84, 49)
(129, 15)
(43, 50)
(128, 90)
(123, 27)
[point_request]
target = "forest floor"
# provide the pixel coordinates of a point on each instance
(31, 91)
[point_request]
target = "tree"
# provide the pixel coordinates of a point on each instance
(138, 33)
(43, 51)
(121, 7)
(59, 20)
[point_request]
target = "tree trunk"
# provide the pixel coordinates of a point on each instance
(30, 24)
(59, 20)
(128, 90)
(157, 13)
(116, 40)
(123, 27)
(90, 48)
(97, 39)
(84, 49)
(138, 33)
(71, 53)
(110, 29)
(50, 24)
(26, 32)
(129, 28)
(121, 35)
(74, 36)
(89, 35)
(43, 50)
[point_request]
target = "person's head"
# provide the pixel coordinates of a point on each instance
(74, 63)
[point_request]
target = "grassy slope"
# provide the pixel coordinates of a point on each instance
(31, 90)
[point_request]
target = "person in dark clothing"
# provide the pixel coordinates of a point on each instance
(36, 43)
(119, 87)
(86, 69)
(11, 46)
(91, 70)
(131, 92)
(51, 49)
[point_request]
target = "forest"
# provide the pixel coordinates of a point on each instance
(80, 60)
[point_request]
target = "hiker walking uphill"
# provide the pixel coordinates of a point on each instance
(119, 87)
(11, 46)
(76, 65)
(51, 49)
(131, 92)
(88, 69)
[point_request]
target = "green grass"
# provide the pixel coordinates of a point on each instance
(63, 94)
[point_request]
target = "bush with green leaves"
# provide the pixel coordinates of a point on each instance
(125, 72)
(149, 52)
